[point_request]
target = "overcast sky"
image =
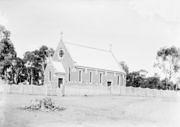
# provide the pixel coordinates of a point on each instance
(135, 28)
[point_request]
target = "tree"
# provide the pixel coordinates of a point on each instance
(18, 68)
(7, 51)
(124, 66)
(2, 29)
(36, 62)
(143, 72)
(44, 52)
(29, 60)
(152, 82)
(168, 62)
(13, 70)
(134, 79)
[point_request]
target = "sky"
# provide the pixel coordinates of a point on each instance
(137, 29)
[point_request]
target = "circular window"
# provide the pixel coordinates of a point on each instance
(61, 53)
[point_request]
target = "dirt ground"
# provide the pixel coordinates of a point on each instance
(92, 111)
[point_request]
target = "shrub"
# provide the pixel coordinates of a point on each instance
(44, 104)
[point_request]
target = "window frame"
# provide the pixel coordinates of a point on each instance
(80, 76)
(69, 74)
(100, 77)
(59, 53)
(90, 77)
(118, 79)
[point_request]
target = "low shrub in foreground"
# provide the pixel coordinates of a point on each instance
(44, 104)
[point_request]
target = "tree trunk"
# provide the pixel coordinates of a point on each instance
(31, 77)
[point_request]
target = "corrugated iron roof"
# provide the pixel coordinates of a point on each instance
(92, 57)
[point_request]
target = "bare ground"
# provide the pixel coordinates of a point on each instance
(92, 111)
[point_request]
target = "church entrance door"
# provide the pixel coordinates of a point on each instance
(60, 82)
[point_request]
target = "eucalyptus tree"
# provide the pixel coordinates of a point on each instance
(7, 51)
(36, 62)
(167, 60)
(124, 66)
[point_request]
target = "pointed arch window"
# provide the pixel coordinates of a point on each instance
(100, 78)
(90, 77)
(69, 74)
(80, 75)
(118, 78)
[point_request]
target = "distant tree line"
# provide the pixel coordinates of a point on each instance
(29, 69)
(167, 61)
(135, 79)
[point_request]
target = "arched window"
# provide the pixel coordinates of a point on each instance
(121, 79)
(100, 78)
(118, 80)
(80, 75)
(69, 77)
(90, 77)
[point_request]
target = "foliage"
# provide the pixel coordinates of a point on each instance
(19, 70)
(15, 69)
(124, 66)
(7, 51)
(168, 61)
(44, 104)
(36, 62)
(135, 79)
(152, 82)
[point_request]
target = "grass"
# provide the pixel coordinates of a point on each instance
(92, 111)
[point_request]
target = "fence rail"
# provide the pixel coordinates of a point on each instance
(125, 91)
(81, 90)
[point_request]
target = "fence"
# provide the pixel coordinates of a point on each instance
(81, 90)
(124, 91)
(22, 89)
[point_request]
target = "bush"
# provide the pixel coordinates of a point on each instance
(44, 104)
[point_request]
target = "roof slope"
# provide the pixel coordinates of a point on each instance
(92, 57)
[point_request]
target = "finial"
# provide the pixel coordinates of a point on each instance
(61, 36)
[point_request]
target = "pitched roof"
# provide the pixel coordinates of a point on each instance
(92, 57)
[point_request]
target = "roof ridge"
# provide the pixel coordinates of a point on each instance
(85, 46)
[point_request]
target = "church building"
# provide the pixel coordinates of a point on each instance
(74, 64)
